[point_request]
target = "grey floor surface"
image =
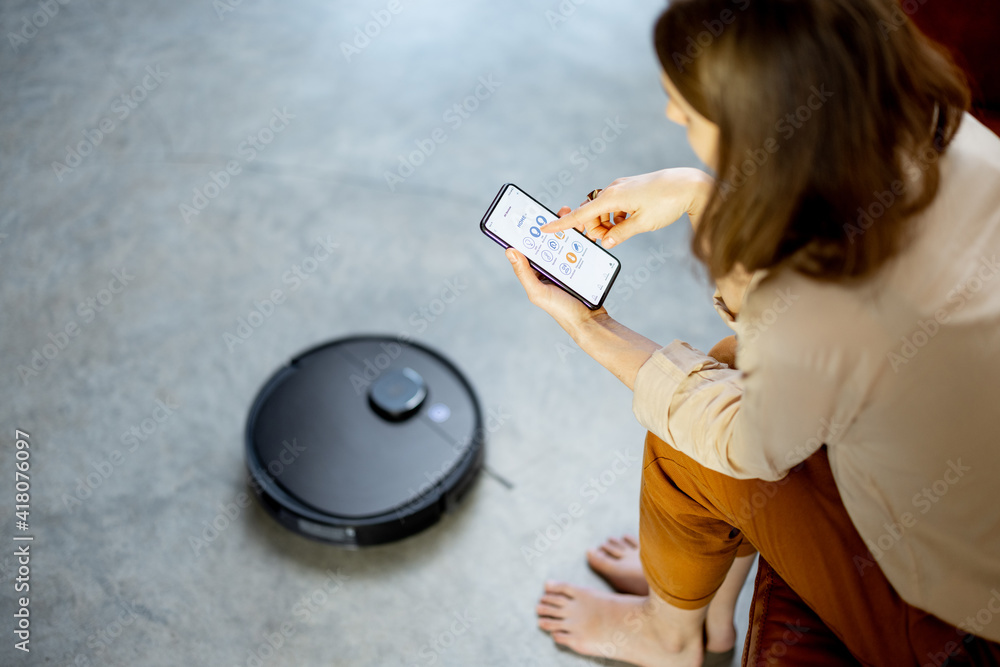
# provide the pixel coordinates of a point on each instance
(94, 240)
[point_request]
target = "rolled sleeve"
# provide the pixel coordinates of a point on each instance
(692, 402)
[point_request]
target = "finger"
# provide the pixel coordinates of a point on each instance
(576, 218)
(631, 541)
(599, 233)
(596, 228)
(623, 230)
(565, 210)
(525, 273)
(588, 215)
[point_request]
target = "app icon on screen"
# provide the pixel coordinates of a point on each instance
(516, 220)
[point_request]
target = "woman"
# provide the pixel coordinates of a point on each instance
(853, 230)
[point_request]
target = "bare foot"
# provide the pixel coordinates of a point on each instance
(643, 631)
(617, 561)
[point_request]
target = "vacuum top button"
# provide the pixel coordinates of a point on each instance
(397, 394)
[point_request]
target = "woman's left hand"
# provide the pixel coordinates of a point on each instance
(566, 309)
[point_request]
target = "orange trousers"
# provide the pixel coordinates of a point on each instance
(693, 522)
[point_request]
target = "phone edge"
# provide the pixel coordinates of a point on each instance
(503, 244)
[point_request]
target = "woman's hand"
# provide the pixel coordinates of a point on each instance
(650, 202)
(564, 308)
(617, 348)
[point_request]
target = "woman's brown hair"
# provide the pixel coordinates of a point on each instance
(832, 115)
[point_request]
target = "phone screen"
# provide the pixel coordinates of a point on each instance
(568, 258)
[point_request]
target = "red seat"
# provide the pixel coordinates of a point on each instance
(785, 631)
(970, 30)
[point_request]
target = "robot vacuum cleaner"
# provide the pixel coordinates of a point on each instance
(364, 440)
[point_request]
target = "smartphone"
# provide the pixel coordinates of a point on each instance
(568, 258)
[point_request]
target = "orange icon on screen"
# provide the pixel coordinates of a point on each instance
(570, 257)
(560, 235)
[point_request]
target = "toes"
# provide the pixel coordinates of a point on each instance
(553, 625)
(596, 557)
(548, 611)
(551, 606)
(562, 637)
(631, 541)
(613, 550)
(556, 601)
(560, 588)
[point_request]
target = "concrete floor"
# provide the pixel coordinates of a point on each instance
(136, 300)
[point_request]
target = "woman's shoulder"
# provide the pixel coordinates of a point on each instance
(786, 307)
(953, 240)
(975, 146)
(800, 322)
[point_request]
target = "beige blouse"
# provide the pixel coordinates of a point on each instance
(899, 377)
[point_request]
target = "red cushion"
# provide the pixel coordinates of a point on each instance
(990, 120)
(969, 30)
(785, 631)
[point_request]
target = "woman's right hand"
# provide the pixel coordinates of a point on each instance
(650, 201)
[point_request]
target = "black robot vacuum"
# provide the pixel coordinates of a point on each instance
(364, 440)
